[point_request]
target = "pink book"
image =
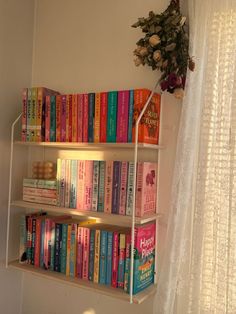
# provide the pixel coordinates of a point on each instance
(74, 118)
(47, 118)
(46, 260)
(146, 188)
(79, 255)
(103, 118)
(123, 187)
(122, 116)
(80, 117)
(115, 259)
(86, 241)
(24, 114)
(68, 118)
(63, 118)
(80, 184)
(108, 186)
(88, 188)
(85, 119)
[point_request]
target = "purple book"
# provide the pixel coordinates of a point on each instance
(116, 187)
(63, 118)
(122, 116)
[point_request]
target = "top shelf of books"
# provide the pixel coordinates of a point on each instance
(81, 146)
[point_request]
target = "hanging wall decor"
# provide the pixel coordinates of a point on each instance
(165, 47)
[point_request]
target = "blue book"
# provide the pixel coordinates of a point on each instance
(42, 243)
(63, 248)
(91, 112)
(58, 238)
(109, 257)
(53, 118)
(116, 187)
(130, 120)
(73, 184)
(111, 117)
(101, 191)
(91, 254)
(103, 257)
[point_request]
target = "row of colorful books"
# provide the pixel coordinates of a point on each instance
(106, 186)
(88, 251)
(92, 117)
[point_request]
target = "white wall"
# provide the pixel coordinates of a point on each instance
(16, 25)
(83, 46)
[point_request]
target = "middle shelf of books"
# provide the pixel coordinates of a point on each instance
(70, 206)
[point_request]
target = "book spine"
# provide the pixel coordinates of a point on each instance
(39, 192)
(103, 257)
(67, 182)
(37, 243)
(91, 112)
(80, 117)
(62, 182)
(85, 118)
(39, 110)
(23, 240)
(80, 184)
(46, 240)
(33, 240)
(123, 187)
(52, 244)
(115, 259)
(68, 118)
(40, 199)
(73, 183)
(79, 257)
(91, 255)
(122, 117)
(33, 116)
(111, 117)
(129, 201)
(41, 259)
(24, 115)
(63, 248)
(97, 118)
(95, 185)
(51, 238)
(96, 256)
(127, 263)
(53, 118)
(63, 118)
(47, 184)
(29, 239)
(131, 109)
(58, 239)
(29, 114)
(73, 249)
(116, 187)
(88, 188)
(86, 241)
(74, 118)
(103, 118)
(68, 250)
(109, 257)
(121, 263)
(47, 119)
(101, 190)
(139, 189)
(108, 186)
(58, 118)
(58, 181)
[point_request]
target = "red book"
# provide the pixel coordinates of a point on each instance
(122, 116)
(79, 257)
(74, 118)
(37, 242)
(115, 259)
(85, 119)
(80, 117)
(86, 241)
(68, 118)
(63, 118)
(47, 118)
(103, 118)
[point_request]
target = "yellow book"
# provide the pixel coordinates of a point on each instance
(96, 256)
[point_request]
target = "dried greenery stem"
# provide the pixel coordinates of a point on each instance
(165, 47)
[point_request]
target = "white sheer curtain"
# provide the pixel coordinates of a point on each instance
(198, 273)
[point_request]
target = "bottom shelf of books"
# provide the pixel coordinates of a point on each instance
(85, 284)
(89, 255)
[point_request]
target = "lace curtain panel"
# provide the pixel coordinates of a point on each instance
(198, 273)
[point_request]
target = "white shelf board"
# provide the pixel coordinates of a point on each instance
(84, 284)
(112, 219)
(66, 145)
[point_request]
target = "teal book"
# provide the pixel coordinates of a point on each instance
(130, 119)
(103, 257)
(42, 243)
(91, 254)
(63, 248)
(109, 257)
(91, 113)
(111, 117)
(101, 190)
(53, 118)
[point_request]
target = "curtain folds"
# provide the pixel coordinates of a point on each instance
(198, 272)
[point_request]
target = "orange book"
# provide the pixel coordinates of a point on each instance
(150, 122)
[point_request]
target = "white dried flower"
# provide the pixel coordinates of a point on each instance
(179, 93)
(157, 55)
(143, 52)
(182, 21)
(137, 61)
(154, 40)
